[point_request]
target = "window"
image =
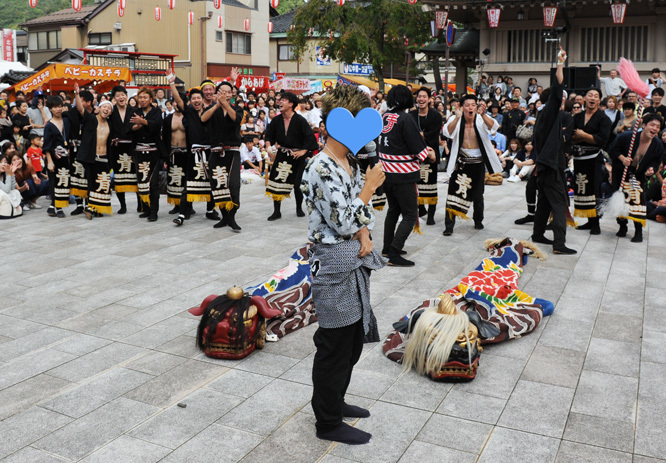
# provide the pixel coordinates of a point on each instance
(529, 46)
(239, 43)
(218, 36)
(103, 38)
(610, 43)
(286, 53)
(45, 40)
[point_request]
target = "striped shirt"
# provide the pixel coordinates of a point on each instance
(401, 148)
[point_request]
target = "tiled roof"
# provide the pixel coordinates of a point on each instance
(281, 23)
(66, 16)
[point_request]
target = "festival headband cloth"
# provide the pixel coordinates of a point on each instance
(105, 102)
(206, 82)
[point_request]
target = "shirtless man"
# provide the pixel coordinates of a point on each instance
(93, 152)
(471, 155)
(173, 134)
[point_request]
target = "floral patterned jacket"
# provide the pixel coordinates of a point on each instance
(335, 212)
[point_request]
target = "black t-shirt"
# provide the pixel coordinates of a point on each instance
(197, 131)
(19, 120)
(224, 130)
(661, 110)
(88, 149)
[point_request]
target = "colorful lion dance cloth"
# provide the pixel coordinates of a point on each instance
(492, 301)
(289, 290)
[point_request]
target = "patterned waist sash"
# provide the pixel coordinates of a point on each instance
(78, 179)
(99, 193)
(62, 183)
(220, 166)
(459, 198)
(585, 197)
(198, 181)
(176, 174)
(635, 198)
(282, 175)
(124, 168)
(146, 166)
(428, 184)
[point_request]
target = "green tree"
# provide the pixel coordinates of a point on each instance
(286, 6)
(15, 12)
(372, 31)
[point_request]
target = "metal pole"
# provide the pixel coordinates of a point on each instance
(446, 78)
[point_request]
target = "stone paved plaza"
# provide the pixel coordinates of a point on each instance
(97, 349)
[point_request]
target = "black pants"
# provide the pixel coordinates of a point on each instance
(477, 172)
(299, 168)
(155, 184)
(531, 194)
(338, 350)
(235, 178)
(402, 200)
(553, 197)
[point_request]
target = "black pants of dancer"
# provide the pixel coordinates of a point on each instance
(553, 197)
(235, 179)
(402, 200)
(52, 183)
(299, 168)
(478, 174)
(338, 350)
(531, 194)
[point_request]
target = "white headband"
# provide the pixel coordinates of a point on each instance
(106, 102)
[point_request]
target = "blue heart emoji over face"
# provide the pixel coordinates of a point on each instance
(354, 132)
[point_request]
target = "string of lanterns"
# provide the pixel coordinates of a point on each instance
(618, 10)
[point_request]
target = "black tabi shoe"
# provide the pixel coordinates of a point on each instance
(274, 216)
(346, 434)
(622, 232)
(77, 211)
(541, 239)
(299, 212)
(447, 232)
(152, 217)
(179, 220)
(221, 224)
(638, 238)
(212, 215)
(144, 215)
(523, 220)
(60, 214)
(385, 253)
(586, 226)
(51, 211)
(174, 210)
(122, 210)
(400, 261)
(478, 226)
(595, 230)
(564, 250)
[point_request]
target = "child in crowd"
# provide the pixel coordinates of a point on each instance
(34, 155)
(251, 157)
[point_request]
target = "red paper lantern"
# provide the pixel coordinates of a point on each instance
(220, 21)
(171, 4)
(122, 4)
(76, 4)
(292, 28)
(311, 31)
(217, 4)
(617, 9)
(246, 25)
(121, 11)
(411, 2)
(275, 3)
(340, 2)
(32, 3)
(406, 42)
(494, 16)
(190, 18)
(158, 13)
(549, 13)
(270, 26)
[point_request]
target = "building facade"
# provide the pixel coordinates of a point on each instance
(522, 47)
(203, 48)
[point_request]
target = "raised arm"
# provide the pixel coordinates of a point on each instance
(77, 99)
(171, 77)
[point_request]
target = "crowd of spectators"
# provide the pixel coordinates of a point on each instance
(515, 110)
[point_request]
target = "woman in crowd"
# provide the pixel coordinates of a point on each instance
(10, 198)
(509, 155)
(29, 183)
(523, 164)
